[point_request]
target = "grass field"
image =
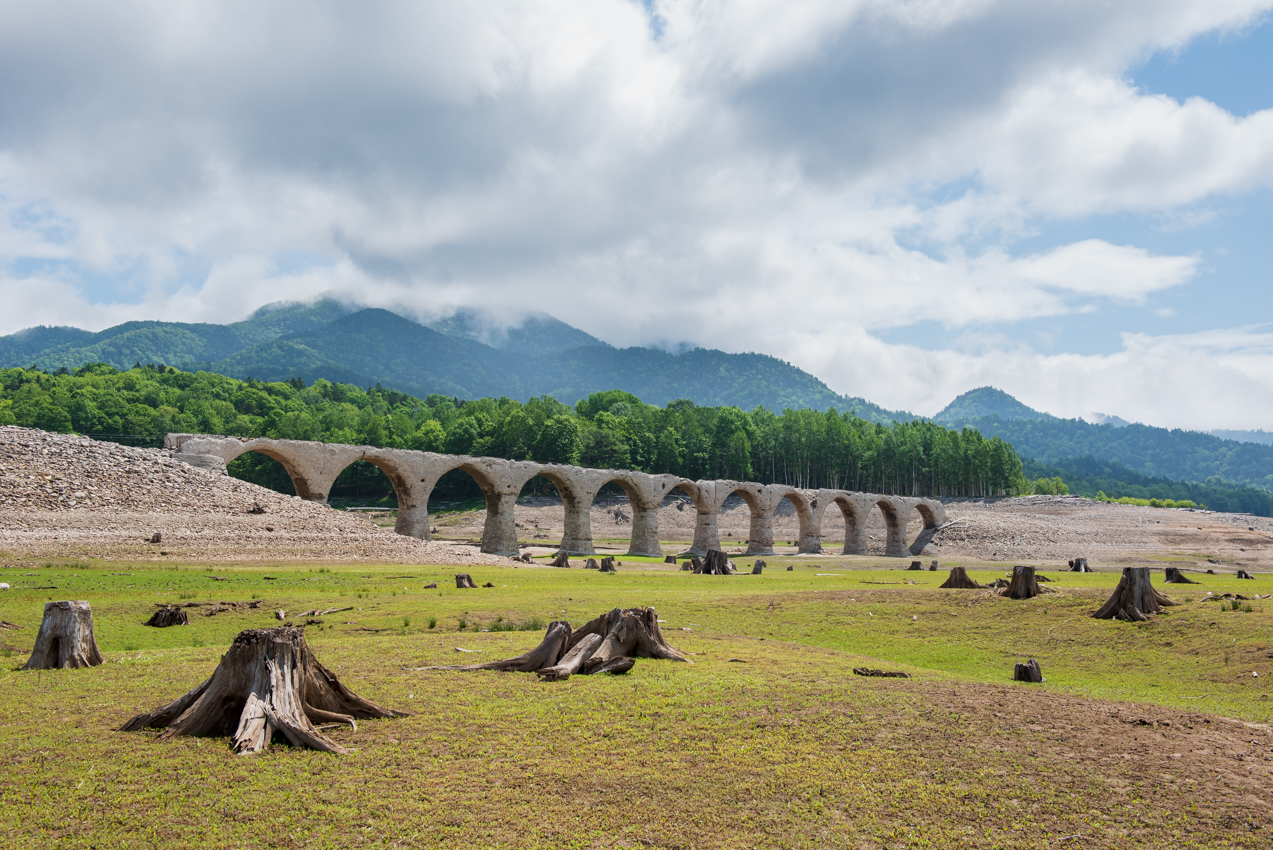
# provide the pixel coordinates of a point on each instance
(767, 740)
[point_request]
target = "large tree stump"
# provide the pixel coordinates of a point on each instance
(464, 580)
(607, 565)
(1134, 599)
(1024, 585)
(1079, 565)
(609, 644)
(915, 565)
(757, 568)
(1175, 576)
(1028, 672)
(716, 564)
(562, 560)
(169, 615)
(669, 559)
(65, 639)
(1244, 574)
(267, 682)
(960, 580)
(590, 564)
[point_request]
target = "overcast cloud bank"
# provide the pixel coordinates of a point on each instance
(792, 177)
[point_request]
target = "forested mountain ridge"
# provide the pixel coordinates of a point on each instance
(984, 402)
(336, 342)
(611, 430)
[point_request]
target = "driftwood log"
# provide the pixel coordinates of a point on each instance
(464, 580)
(1024, 585)
(716, 564)
(609, 644)
(959, 580)
(267, 682)
(168, 615)
(1079, 565)
(1175, 576)
(1134, 599)
(562, 560)
(1027, 672)
(66, 638)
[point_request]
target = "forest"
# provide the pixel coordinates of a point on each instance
(612, 429)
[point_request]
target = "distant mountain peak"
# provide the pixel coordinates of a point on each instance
(534, 333)
(983, 402)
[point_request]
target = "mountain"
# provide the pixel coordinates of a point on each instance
(983, 402)
(467, 355)
(537, 333)
(1257, 436)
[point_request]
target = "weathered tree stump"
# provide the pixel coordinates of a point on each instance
(166, 616)
(1024, 585)
(696, 565)
(669, 559)
(1134, 599)
(607, 565)
(590, 564)
(915, 565)
(716, 564)
(1245, 574)
(687, 566)
(609, 644)
(1079, 565)
(1175, 576)
(464, 580)
(562, 560)
(757, 568)
(65, 639)
(267, 682)
(1027, 672)
(790, 568)
(959, 580)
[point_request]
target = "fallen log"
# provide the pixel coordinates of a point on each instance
(1135, 598)
(960, 580)
(267, 682)
(1175, 576)
(65, 639)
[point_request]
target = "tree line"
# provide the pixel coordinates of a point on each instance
(612, 429)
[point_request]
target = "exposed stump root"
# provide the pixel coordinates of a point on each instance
(66, 638)
(1134, 599)
(960, 580)
(1024, 584)
(267, 682)
(715, 563)
(168, 615)
(609, 644)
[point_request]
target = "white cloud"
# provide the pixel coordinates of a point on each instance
(768, 174)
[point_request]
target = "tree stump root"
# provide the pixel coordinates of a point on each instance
(267, 682)
(65, 639)
(1135, 599)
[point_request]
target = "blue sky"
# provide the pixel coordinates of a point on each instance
(908, 198)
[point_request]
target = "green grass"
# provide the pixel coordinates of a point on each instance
(785, 749)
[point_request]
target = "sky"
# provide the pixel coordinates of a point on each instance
(1070, 200)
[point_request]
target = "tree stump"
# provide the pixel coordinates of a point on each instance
(1024, 585)
(562, 560)
(66, 638)
(669, 559)
(1079, 565)
(1245, 574)
(590, 564)
(168, 615)
(959, 580)
(1027, 672)
(790, 568)
(757, 568)
(716, 564)
(687, 566)
(267, 682)
(915, 565)
(464, 580)
(1134, 599)
(609, 644)
(1175, 576)
(607, 565)
(696, 565)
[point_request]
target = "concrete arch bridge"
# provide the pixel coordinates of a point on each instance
(314, 467)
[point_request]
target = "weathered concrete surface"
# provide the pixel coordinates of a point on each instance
(314, 467)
